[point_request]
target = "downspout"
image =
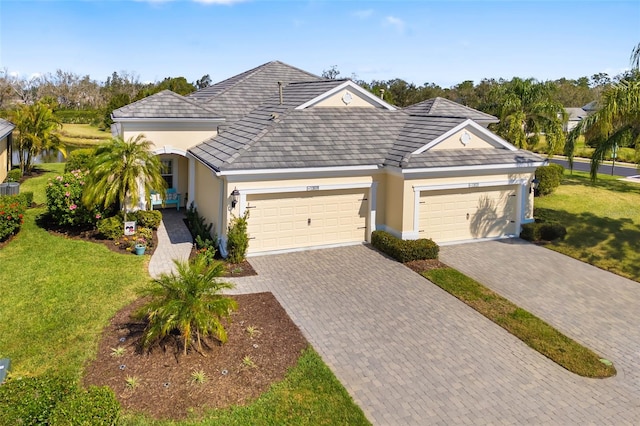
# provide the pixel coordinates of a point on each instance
(222, 238)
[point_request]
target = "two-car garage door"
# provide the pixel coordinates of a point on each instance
(467, 214)
(305, 219)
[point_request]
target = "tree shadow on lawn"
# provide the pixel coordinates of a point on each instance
(611, 185)
(612, 244)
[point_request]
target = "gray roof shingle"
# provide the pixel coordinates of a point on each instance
(6, 127)
(471, 157)
(240, 94)
(166, 104)
(442, 107)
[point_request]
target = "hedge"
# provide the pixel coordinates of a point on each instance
(549, 178)
(79, 159)
(542, 231)
(404, 250)
(75, 116)
(53, 400)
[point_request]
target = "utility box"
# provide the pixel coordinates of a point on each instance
(5, 364)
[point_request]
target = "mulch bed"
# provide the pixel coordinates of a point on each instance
(425, 265)
(166, 387)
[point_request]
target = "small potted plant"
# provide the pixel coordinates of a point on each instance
(140, 245)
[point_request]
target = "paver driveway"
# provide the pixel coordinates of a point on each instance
(409, 353)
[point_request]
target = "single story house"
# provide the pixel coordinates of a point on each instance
(320, 163)
(574, 116)
(6, 131)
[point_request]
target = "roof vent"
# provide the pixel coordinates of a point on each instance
(274, 116)
(280, 92)
(382, 94)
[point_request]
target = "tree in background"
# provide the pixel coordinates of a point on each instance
(36, 131)
(120, 171)
(617, 120)
(528, 110)
(205, 81)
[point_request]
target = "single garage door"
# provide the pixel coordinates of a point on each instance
(466, 214)
(306, 219)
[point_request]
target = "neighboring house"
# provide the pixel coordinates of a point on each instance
(575, 116)
(6, 130)
(324, 162)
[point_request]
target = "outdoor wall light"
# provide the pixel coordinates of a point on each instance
(534, 185)
(235, 197)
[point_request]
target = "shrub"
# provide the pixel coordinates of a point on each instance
(542, 231)
(148, 218)
(14, 175)
(144, 236)
(80, 159)
(206, 249)
(64, 200)
(27, 196)
(31, 400)
(95, 406)
(76, 116)
(549, 178)
(238, 239)
(12, 208)
(111, 228)
(404, 250)
(200, 230)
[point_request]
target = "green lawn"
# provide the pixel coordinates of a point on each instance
(58, 294)
(525, 326)
(82, 134)
(602, 221)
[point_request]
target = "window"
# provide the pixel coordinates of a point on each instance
(166, 169)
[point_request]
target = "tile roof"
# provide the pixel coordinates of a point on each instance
(166, 104)
(576, 114)
(276, 136)
(240, 94)
(446, 108)
(471, 157)
(6, 127)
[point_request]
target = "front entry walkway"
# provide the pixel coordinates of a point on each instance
(174, 242)
(409, 353)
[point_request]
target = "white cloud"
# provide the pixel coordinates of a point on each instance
(363, 14)
(397, 23)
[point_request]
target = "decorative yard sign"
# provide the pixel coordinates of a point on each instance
(129, 228)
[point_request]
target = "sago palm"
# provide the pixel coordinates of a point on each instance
(189, 302)
(120, 171)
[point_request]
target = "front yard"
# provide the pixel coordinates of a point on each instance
(602, 221)
(59, 294)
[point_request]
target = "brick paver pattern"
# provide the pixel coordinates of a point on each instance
(174, 242)
(410, 353)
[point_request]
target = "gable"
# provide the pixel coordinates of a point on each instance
(466, 135)
(337, 97)
(346, 98)
(466, 138)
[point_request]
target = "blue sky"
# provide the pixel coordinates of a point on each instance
(444, 42)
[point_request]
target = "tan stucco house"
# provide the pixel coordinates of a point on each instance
(321, 163)
(6, 130)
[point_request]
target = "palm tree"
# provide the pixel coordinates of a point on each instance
(120, 171)
(527, 111)
(36, 129)
(188, 302)
(616, 121)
